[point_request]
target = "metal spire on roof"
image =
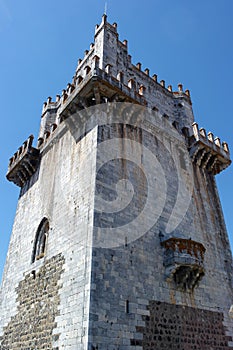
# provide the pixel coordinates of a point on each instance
(105, 8)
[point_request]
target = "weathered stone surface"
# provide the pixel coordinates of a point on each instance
(63, 192)
(38, 304)
(128, 278)
(110, 284)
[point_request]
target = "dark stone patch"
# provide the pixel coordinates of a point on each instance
(174, 327)
(32, 327)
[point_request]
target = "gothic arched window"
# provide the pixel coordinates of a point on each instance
(40, 240)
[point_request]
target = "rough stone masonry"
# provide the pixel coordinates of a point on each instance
(119, 240)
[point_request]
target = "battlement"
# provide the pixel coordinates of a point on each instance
(108, 60)
(51, 105)
(24, 163)
(106, 74)
(208, 152)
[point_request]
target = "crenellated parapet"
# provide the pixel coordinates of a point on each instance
(115, 61)
(115, 87)
(106, 73)
(207, 151)
(51, 106)
(24, 163)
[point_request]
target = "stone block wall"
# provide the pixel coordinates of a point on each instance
(105, 282)
(38, 305)
(104, 295)
(133, 302)
(63, 192)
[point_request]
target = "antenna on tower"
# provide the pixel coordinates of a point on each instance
(106, 8)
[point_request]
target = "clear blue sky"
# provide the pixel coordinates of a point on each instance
(181, 41)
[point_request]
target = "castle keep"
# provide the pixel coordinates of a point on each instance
(119, 240)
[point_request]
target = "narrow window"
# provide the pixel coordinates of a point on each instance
(40, 240)
(88, 69)
(33, 274)
(120, 77)
(127, 306)
(185, 132)
(131, 84)
(176, 125)
(142, 90)
(79, 79)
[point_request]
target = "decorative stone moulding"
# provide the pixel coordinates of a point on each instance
(184, 262)
(208, 152)
(24, 163)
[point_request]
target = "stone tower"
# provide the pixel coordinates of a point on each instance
(119, 239)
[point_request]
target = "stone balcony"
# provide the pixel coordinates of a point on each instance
(24, 163)
(184, 262)
(208, 152)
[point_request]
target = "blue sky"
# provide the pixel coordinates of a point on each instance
(181, 41)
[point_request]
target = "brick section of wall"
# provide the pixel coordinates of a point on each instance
(38, 300)
(181, 327)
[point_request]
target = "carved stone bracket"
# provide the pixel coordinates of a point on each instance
(184, 262)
